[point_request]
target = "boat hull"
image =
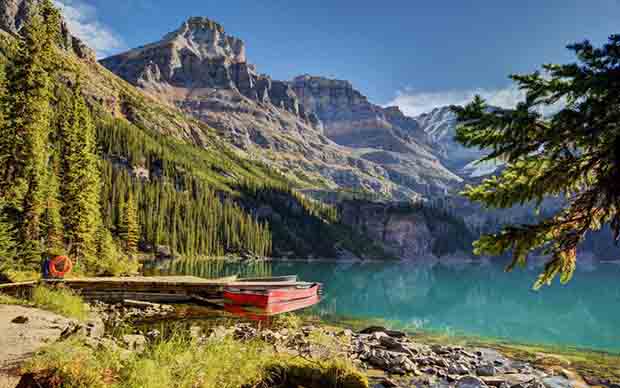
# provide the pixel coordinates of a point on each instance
(258, 313)
(263, 298)
(275, 279)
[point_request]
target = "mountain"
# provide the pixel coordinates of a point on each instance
(382, 135)
(439, 125)
(204, 72)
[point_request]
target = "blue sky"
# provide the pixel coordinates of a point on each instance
(417, 54)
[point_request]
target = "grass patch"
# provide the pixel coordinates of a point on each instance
(286, 321)
(6, 299)
(334, 373)
(182, 363)
(71, 364)
(60, 300)
(16, 276)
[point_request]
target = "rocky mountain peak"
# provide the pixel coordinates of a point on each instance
(206, 38)
(197, 60)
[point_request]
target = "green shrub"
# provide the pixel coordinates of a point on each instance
(332, 373)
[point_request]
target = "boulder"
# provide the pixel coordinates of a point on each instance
(135, 342)
(486, 370)
(458, 369)
(470, 382)
(557, 382)
(391, 333)
(493, 381)
(20, 319)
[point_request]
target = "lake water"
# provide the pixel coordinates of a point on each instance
(458, 299)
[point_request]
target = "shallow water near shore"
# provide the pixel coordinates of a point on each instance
(455, 299)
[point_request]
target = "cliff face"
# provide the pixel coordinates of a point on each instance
(408, 233)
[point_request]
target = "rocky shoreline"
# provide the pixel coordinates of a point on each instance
(390, 358)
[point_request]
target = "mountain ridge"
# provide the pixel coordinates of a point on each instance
(204, 72)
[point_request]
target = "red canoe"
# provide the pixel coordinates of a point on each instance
(265, 297)
(259, 313)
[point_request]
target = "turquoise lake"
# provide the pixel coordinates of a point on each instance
(466, 299)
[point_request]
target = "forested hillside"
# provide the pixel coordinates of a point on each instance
(97, 170)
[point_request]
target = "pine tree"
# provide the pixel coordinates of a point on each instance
(7, 241)
(81, 178)
(575, 154)
(51, 220)
(129, 228)
(23, 150)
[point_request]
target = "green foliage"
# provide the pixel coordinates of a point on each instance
(23, 148)
(7, 299)
(73, 363)
(129, 227)
(7, 241)
(51, 222)
(111, 260)
(333, 373)
(575, 153)
(60, 300)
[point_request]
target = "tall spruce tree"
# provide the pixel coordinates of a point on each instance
(575, 153)
(81, 186)
(130, 228)
(23, 150)
(53, 230)
(7, 241)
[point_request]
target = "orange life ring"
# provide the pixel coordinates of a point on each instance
(67, 265)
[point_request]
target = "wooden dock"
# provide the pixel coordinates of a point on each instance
(151, 289)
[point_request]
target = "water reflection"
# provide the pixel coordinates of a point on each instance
(208, 269)
(461, 299)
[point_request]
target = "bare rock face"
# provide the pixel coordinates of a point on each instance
(350, 119)
(405, 235)
(385, 136)
(14, 13)
(199, 56)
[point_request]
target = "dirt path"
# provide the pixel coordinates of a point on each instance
(18, 341)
